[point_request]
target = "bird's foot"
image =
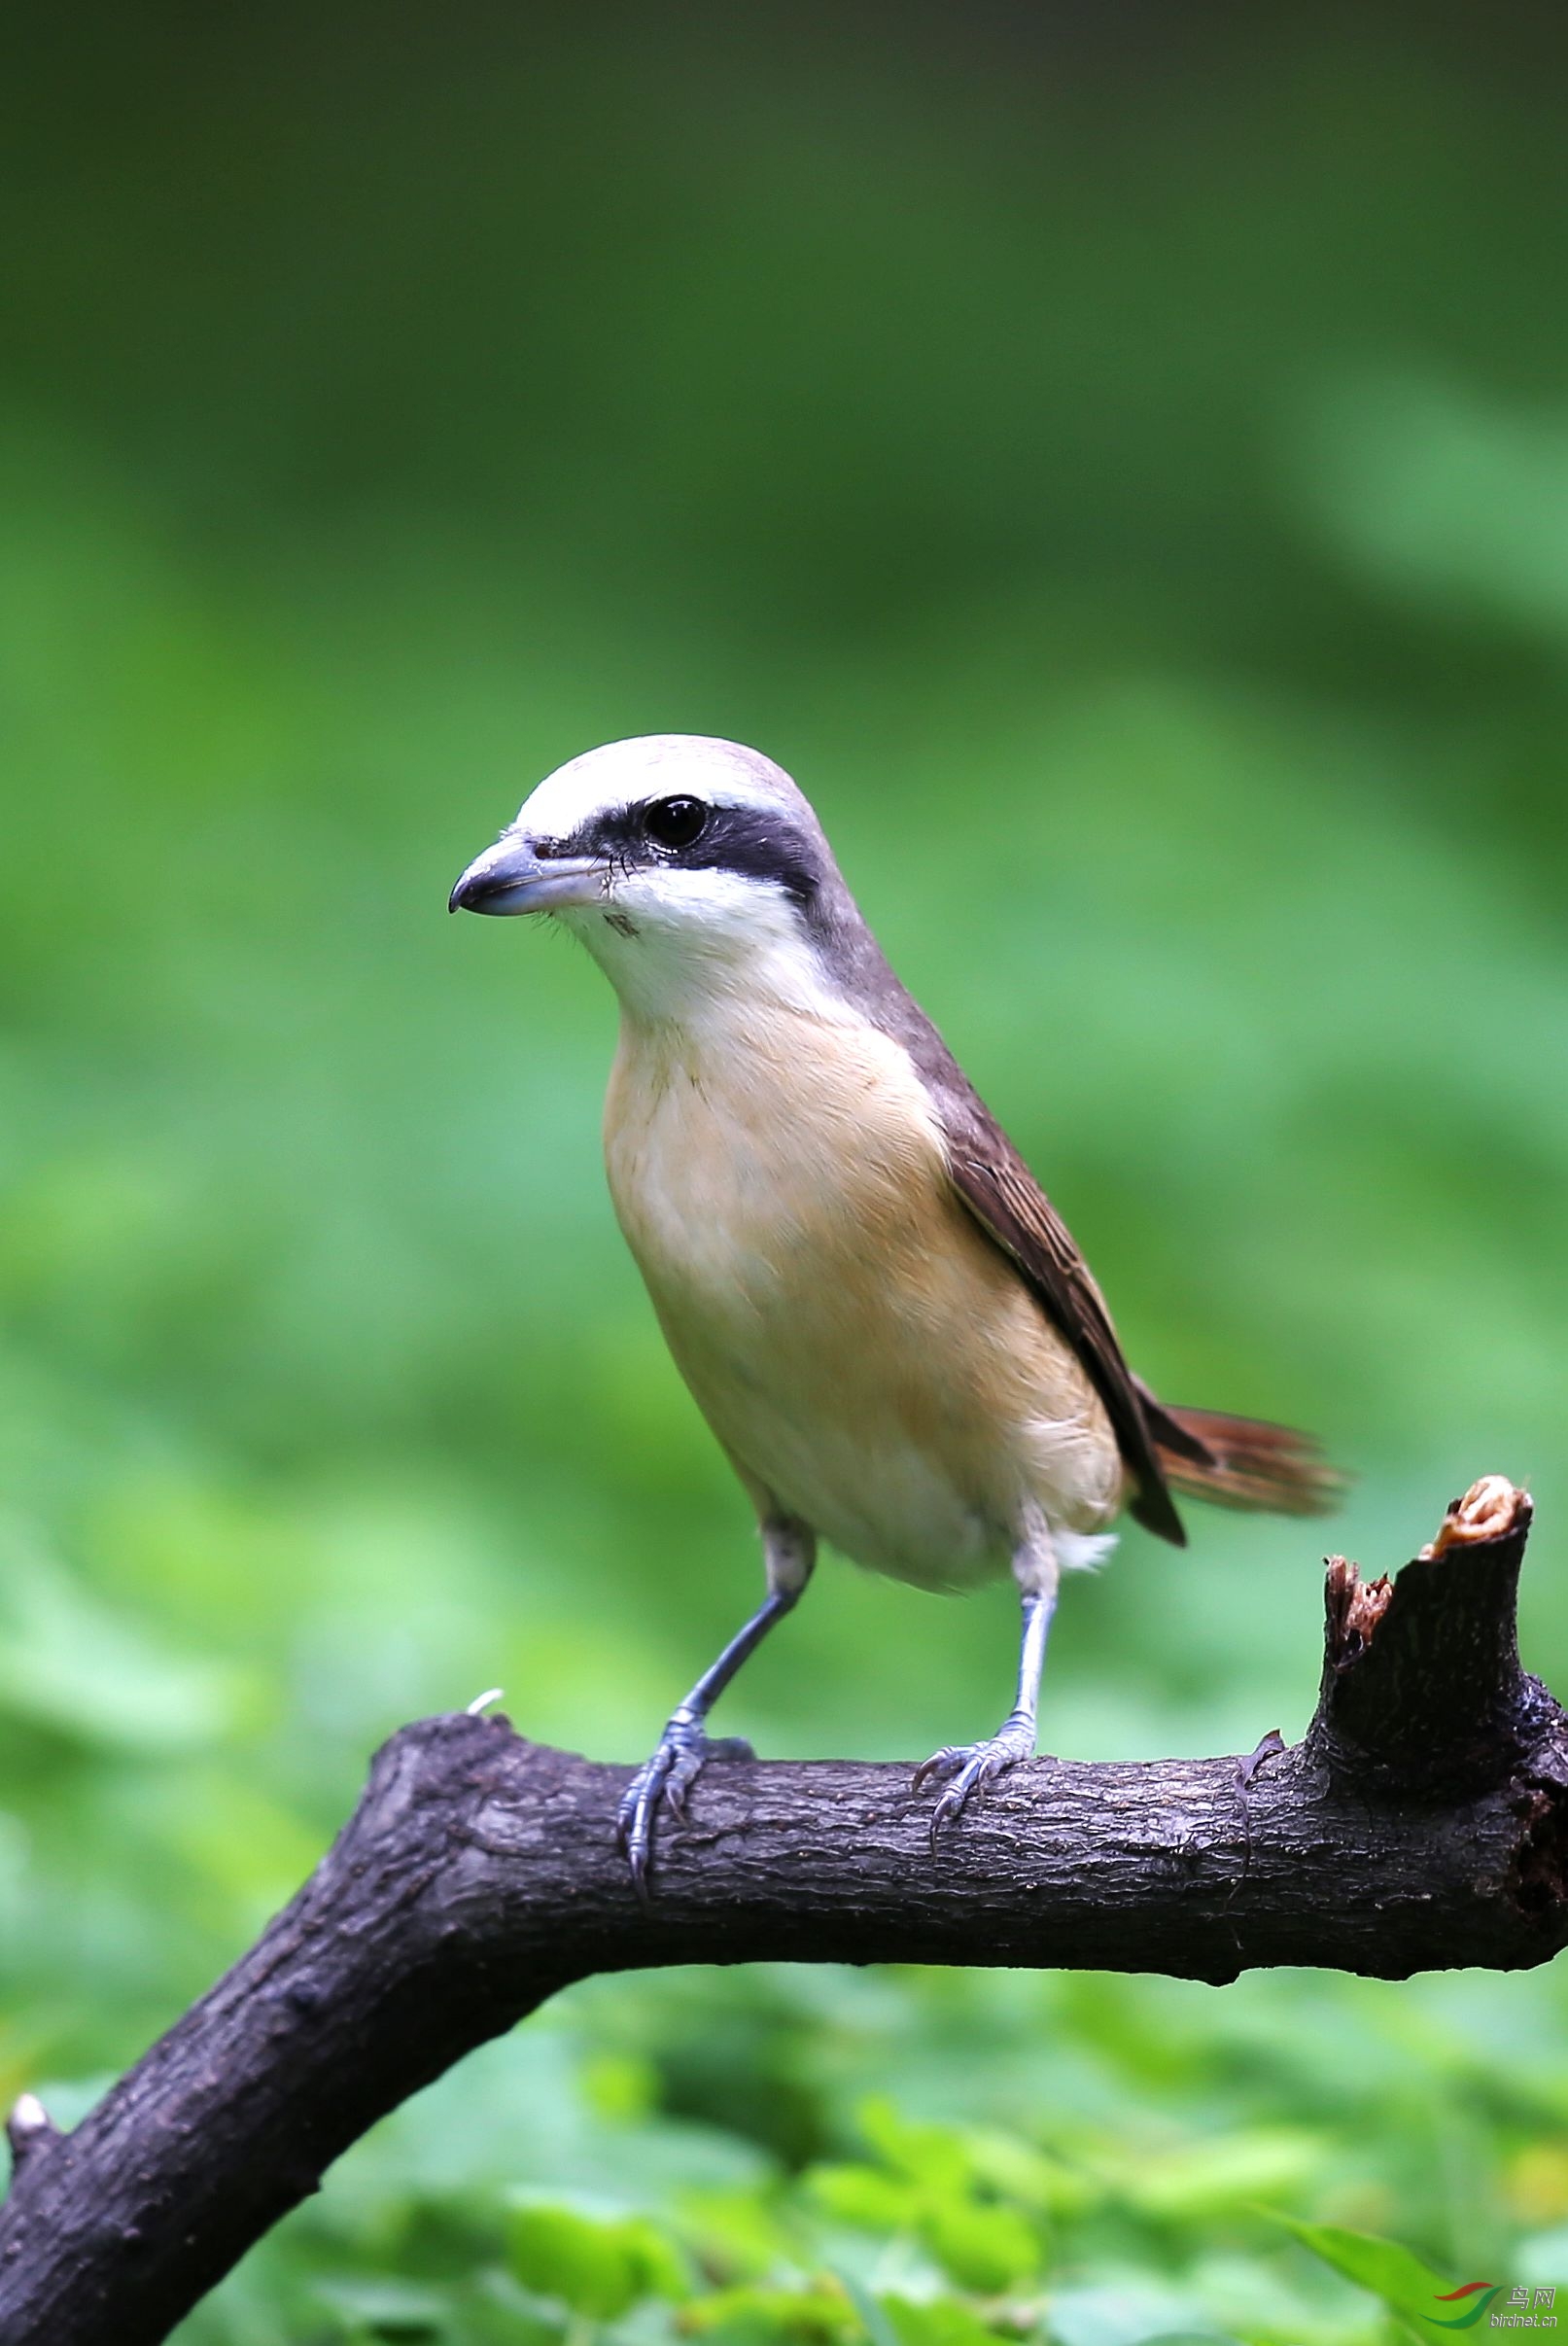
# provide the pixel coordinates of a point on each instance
(965, 1766)
(666, 1778)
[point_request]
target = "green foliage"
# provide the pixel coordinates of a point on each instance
(1406, 2285)
(934, 2322)
(595, 2265)
(1031, 2201)
(936, 2193)
(819, 2316)
(1128, 486)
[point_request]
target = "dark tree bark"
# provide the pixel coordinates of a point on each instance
(1422, 1823)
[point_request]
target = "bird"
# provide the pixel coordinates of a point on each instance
(879, 1314)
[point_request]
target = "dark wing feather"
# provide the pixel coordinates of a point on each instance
(1011, 1208)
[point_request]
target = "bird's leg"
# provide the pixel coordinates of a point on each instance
(967, 1766)
(788, 1552)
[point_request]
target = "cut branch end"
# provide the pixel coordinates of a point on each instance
(1489, 1509)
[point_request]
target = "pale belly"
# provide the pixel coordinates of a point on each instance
(872, 1363)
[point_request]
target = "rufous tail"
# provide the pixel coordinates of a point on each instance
(1244, 1462)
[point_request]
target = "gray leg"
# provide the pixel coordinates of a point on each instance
(788, 1553)
(967, 1766)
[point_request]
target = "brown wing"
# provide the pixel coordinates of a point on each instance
(1007, 1202)
(1011, 1208)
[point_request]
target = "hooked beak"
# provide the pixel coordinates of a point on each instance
(509, 877)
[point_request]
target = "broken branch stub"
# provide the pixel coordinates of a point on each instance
(1422, 1692)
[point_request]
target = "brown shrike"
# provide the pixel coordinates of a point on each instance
(878, 1310)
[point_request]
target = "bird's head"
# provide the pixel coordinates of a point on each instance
(687, 866)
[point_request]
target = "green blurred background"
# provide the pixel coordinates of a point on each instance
(1118, 460)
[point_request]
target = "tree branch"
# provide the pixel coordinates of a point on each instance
(1422, 1823)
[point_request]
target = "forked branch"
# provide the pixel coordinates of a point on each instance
(1422, 1822)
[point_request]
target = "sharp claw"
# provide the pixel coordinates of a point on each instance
(950, 1808)
(665, 1777)
(970, 1765)
(943, 1763)
(634, 1838)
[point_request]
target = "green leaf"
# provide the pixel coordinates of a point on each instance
(1016, 2170)
(595, 2265)
(1391, 2272)
(935, 2157)
(757, 2316)
(735, 2237)
(986, 2249)
(1235, 2170)
(865, 2197)
(935, 2322)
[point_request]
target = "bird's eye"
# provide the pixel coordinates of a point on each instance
(676, 821)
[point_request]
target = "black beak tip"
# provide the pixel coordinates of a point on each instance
(457, 901)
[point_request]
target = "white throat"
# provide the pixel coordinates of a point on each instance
(716, 952)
